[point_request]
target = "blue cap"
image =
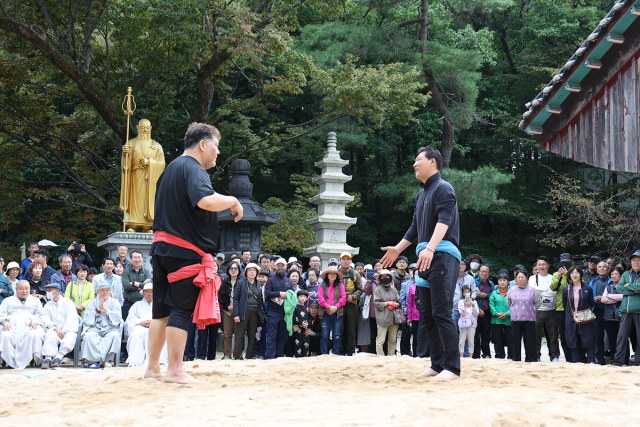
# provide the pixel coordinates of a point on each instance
(102, 286)
(636, 253)
(333, 261)
(53, 285)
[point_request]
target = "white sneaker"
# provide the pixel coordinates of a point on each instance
(108, 364)
(64, 360)
(555, 360)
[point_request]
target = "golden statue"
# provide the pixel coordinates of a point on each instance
(142, 165)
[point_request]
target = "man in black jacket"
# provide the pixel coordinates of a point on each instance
(436, 226)
(275, 292)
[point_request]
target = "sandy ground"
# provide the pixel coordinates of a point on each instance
(328, 390)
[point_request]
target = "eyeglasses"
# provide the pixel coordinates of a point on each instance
(233, 269)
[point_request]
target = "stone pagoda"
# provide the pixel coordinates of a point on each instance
(331, 223)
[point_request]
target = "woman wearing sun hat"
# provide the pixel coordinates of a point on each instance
(331, 298)
(247, 299)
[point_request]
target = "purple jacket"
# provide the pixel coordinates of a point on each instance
(412, 310)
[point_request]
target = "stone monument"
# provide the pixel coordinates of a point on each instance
(139, 241)
(247, 233)
(331, 223)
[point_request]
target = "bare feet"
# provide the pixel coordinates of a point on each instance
(428, 373)
(153, 372)
(446, 376)
(180, 378)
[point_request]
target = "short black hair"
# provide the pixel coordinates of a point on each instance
(135, 251)
(375, 261)
(571, 269)
(263, 257)
(543, 258)
(484, 265)
(196, 132)
(244, 250)
(121, 245)
(34, 243)
(294, 271)
(93, 270)
(231, 264)
(431, 153)
(43, 252)
(303, 292)
(82, 267)
(263, 273)
(359, 264)
(104, 260)
(402, 258)
(315, 270)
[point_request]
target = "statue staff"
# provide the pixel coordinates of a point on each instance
(126, 160)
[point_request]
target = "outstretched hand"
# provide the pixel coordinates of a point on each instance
(237, 210)
(390, 257)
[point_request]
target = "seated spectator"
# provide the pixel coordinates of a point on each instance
(33, 247)
(21, 317)
(136, 328)
(80, 291)
(611, 299)
(61, 323)
(501, 318)
(13, 273)
(521, 301)
(576, 297)
(467, 307)
(301, 322)
(37, 283)
(134, 277)
(42, 257)
(118, 268)
(248, 308)
(629, 287)
(386, 299)
(6, 290)
(110, 278)
(78, 254)
(331, 298)
(65, 275)
(93, 272)
(101, 331)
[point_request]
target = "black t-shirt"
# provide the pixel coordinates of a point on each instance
(180, 187)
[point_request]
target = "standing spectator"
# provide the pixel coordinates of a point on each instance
(13, 274)
(37, 283)
(611, 299)
(134, 277)
(275, 292)
(78, 254)
(611, 262)
(118, 268)
(294, 276)
(33, 247)
(246, 259)
(247, 304)
(598, 285)
(592, 272)
(410, 329)
(122, 255)
(110, 278)
(265, 262)
(474, 263)
(6, 289)
(314, 262)
(301, 322)
(467, 307)
(331, 298)
(352, 282)
(225, 298)
(629, 287)
(576, 297)
(516, 269)
(386, 299)
(65, 275)
(81, 291)
(546, 319)
(401, 276)
(369, 288)
(312, 284)
(42, 257)
(263, 276)
(521, 301)
(484, 288)
(463, 279)
(501, 318)
(559, 281)
(93, 272)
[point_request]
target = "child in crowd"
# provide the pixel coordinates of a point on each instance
(301, 323)
(468, 320)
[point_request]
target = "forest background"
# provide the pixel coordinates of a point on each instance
(275, 76)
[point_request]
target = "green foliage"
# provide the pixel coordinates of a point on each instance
(478, 190)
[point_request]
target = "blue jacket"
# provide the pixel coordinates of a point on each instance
(6, 290)
(275, 285)
(598, 292)
(479, 300)
(404, 293)
(59, 279)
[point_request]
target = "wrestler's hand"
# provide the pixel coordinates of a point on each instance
(424, 259)
(389, 258)
(237, 210)
(236, 319)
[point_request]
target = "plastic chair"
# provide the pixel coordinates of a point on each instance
(117, 358)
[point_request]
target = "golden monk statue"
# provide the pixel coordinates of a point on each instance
(142, 165)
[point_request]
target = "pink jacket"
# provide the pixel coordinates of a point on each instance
(611, 299)
(328, 300)
(471, 312)
(412, 310)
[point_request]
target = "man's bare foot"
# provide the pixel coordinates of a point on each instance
(153, 372)
(180, 378)
(446, 376)
(428, 373)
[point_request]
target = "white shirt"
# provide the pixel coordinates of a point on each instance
(542, 285)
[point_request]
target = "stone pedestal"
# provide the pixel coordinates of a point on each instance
(139, 241)
(331, 223)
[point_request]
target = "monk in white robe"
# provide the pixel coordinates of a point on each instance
(22, 333)
(137, 330)
(61, 322)
(101, 331)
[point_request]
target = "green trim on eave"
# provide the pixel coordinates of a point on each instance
(578, 75)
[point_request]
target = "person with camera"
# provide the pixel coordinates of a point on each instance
(467, 308)
(578, 296)
(78, 254)
(546, 320)
(559, 281)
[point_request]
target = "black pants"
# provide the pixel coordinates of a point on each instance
(498, 344)
(612, 327)
(175, 300)
(435, 308)
(349, 324)
(483, 336)
(528, 330)
(628, 321)
(207, 342)
(560, 318)
(248, 326)
(302, 343)
(547, 321)
(599, 326)
(277, 335)
(405, 341)
(423, 342)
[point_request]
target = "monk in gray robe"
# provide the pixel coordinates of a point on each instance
(101, 332)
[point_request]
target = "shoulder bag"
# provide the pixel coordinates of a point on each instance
(581, 317)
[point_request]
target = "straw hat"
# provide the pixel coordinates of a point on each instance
(331, 269)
